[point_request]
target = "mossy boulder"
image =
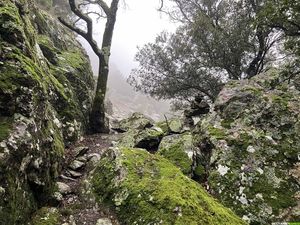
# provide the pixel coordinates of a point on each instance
(252, 142)
(179, 149)
(43, 106)
(147, 189)
(137, 121)
(175, 125)
(148, 138)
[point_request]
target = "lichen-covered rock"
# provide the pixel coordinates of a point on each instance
(175, 125)
(45, 96)
(252, 144)
(179, 149)
(149, 138)
(137, 121)
(148, 189)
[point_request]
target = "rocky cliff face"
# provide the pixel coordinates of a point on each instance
(252, 146)
(45, 94)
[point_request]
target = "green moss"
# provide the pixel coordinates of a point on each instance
(163, 125)
(153, 191)
(21, 201)
(200, 171)
(217, 133)
(226, 123)
(46, 216)
(72, 59)
(175, 153)
(10, 23)
(253, 90)
(277, 197)
(5, 127)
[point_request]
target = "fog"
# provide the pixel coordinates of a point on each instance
(138, 22)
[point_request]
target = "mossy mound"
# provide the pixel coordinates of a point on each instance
(252, 141)
(148, 189)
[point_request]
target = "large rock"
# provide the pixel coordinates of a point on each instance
(148, 138)
(148, 189)
(137, 121)
(45, 96)
(252, 145)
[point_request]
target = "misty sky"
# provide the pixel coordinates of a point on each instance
(138, 23)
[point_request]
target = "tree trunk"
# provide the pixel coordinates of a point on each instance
(98, 122)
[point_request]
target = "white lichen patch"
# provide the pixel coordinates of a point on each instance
(260, 171)
(57, 122)
(250, 149)
(243, 199)
(246, 218)
(222, 170)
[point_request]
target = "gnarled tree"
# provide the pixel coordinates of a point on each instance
(98, 123)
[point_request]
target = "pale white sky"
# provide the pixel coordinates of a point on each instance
(136, 25)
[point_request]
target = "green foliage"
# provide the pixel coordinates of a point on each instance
(217, 41)
(175, 153)
(284, 15)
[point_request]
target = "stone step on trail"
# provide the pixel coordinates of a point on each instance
(77, 209)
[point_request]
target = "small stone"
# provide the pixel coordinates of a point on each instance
(3, 144)
(2, 190)
(58, 196)
(82, 159)
(63, 188)
(66, 178)
(76, 165)
(74, 173)
(72, 220)
(104, 221)
(80, 151)
(57, 123)
(94, 157)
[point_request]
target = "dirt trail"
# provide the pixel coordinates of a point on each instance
(77, 209)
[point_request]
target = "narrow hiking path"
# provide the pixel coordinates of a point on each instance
(76, 207)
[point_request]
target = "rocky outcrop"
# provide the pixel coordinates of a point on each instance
(45, 96)
(251, 146)
(147, 189)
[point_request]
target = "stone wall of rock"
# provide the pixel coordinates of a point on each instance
(46, 89)
(252, 146)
